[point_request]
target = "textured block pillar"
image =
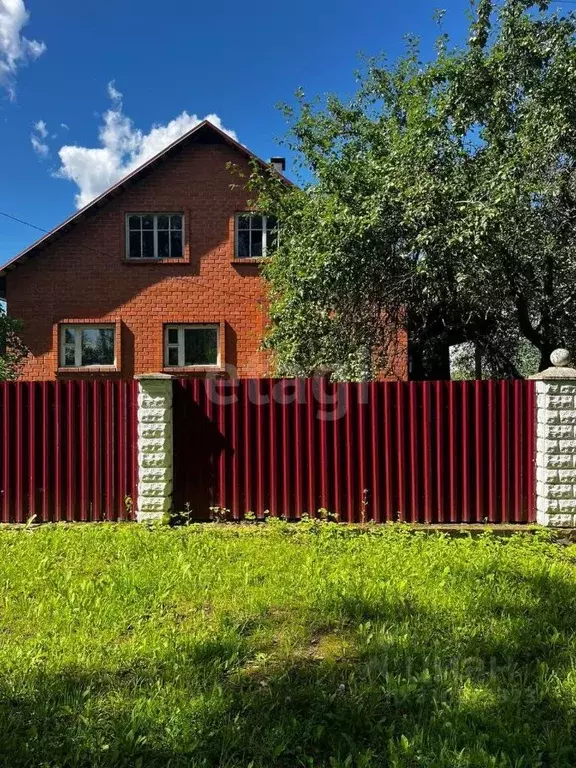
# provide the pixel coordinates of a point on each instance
(154, 446)
(556, 443)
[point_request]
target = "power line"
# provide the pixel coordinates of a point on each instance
(103, 253)
(21, 221)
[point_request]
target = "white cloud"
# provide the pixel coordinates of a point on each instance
(15, 49)
(39, 147)
(39, 133)
(114, 94)
(123, 149)
(41, 129)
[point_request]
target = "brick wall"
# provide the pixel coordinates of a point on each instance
(84, 276)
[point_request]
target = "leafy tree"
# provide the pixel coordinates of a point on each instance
(12, 350)
(442, 207)
(467, 361)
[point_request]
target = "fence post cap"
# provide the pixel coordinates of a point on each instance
(560, 358)
(153, 377)
(560, 368)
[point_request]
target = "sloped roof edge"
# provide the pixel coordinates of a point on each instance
(115, 189)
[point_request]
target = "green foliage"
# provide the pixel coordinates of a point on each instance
(522, 353)
(443, 206)
(177, 517)
(12, 351)
(220, 514)
(282, 645)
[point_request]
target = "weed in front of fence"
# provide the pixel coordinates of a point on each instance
(279, 645)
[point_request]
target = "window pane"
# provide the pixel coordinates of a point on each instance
(244, 222)
(200, 346)
(172, 355)
(176, 222)
(256, 249)
(272, 233)
(163, 222)
(172, 335)
(148, 245)
(69, 336)
(243, 244)
(256, 222)
(163, 245)
(135, 245)
(176, 238)
(134, 222)
(69, 357)
(272, 240)
(147, 222)
(98, 346)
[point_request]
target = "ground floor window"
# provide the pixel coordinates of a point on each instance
(191, 346)
(83, 346)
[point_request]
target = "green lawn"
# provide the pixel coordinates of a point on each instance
(279, 645)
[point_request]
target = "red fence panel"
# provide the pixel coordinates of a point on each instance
(435, 452)
(67, 450)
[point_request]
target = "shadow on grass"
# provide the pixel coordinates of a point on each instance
(413, 691)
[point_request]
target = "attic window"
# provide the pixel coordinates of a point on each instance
(256, 235)
(154, 235)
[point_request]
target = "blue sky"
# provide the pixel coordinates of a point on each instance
(165, 60)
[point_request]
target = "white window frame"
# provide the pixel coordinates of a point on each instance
(78, 328)
(155, 230)
(180, 327)
(243, 214)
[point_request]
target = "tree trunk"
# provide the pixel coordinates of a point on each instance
(416, 370)
(438, 362)
(477, 362)
(546, 349)
(429, 361)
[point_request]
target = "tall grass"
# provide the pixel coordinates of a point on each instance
(277, 645)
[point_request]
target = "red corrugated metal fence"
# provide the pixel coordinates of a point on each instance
(435, 452)
(67, 450)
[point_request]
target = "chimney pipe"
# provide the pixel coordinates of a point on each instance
(278, 163)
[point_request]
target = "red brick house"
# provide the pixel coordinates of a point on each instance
(159, 273)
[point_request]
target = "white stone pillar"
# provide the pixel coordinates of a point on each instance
(556, 443)
(154, 446)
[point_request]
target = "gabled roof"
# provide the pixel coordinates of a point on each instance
(203, 129)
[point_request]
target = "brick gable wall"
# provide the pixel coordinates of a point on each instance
(84, 275)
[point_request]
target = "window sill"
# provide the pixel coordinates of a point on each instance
(88, 369)
(148, 262)
(175, 369)
(252, 261)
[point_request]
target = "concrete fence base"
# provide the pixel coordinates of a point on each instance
(556, 443)
(155, 458)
